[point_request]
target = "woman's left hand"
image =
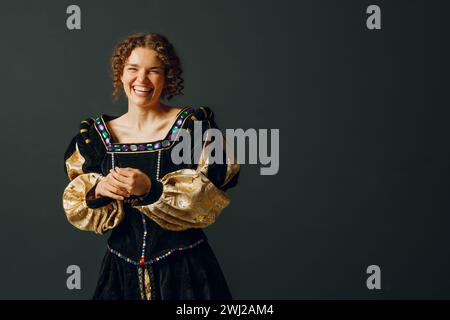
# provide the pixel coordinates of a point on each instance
(133, 180)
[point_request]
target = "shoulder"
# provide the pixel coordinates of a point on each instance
(86, 127)
(208, 118)
(203, 114)
(85, 146)
(89, 137)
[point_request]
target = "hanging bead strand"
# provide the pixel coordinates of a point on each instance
(112, 161)
(144, 241)
(158, 165)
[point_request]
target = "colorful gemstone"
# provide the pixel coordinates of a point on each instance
(149, 146)
(174, 129)
(110, 148)
(117, 148)
(108, 141)
(166, 143)
(179, 122)
(141, 147)
(125, 147)
(157, 145)
(101, 127)
(173, 137)
(133, 147)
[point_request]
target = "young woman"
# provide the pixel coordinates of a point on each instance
(122, 178)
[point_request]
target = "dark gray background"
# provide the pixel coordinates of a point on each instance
(363, 118)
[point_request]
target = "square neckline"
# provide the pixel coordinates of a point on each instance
(112, 117)
(167, 141)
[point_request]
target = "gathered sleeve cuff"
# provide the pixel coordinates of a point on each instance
(155, 193)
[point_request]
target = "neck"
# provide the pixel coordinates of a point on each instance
(140, 117)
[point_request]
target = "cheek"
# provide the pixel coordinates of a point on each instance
(127, 79)
(158, 81)
(126, 85)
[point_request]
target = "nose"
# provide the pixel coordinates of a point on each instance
(141, 76)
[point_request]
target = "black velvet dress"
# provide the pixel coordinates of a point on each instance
(152, 253)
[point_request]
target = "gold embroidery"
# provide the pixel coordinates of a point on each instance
(148, 285)
(75, 163)
(141, 282)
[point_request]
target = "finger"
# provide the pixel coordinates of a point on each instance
(116, 191)
(107, 193)
(113, 196)
(127, 185)
(120, 178)
(117, 184)
(130, 170)
(131, 174)
(126, 172)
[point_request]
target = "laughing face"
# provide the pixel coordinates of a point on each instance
(143, 77)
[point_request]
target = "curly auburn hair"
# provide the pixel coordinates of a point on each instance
(173, 85)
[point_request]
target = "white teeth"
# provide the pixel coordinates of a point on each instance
(142, 89)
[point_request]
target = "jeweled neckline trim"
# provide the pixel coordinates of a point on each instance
(153, 146)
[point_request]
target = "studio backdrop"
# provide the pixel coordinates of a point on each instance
(345, 103)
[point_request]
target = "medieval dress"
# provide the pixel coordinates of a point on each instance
(156, 249)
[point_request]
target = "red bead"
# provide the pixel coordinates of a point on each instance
(142, 261)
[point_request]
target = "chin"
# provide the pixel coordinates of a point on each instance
(142, 102)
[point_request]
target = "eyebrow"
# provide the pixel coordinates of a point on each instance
(136, 65)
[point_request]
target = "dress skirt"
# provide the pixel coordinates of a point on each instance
(185, 275)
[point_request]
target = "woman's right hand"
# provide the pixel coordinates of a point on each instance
(112, 188)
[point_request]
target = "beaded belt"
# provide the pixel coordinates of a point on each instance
(157, 258)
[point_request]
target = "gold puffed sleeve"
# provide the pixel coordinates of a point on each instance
(82, 166)
(188, 200)
(194, 198)
(80, 215)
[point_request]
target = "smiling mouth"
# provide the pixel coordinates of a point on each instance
(142, 91)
